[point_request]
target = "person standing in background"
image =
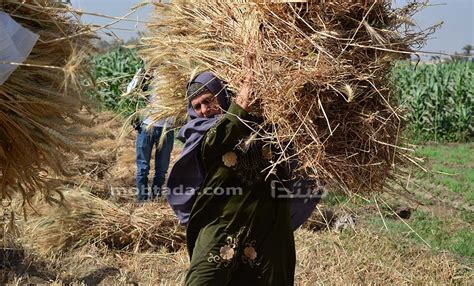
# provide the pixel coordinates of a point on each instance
(149, 138)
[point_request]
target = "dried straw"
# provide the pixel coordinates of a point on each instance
(95, 169)
(40, 102)
(320, 76)
(87, 219)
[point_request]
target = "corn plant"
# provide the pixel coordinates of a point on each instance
(112, 72)
(438, 99)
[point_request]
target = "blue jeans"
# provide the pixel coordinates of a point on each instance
(146, 140)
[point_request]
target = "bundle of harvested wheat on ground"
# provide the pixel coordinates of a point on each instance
(85, 218)
(320, 75)
(40, 95)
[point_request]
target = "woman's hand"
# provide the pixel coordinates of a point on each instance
(243, 97)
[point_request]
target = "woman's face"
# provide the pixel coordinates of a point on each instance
(206, 105)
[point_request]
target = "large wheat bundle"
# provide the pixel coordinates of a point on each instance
(40, 101)
(320, 75)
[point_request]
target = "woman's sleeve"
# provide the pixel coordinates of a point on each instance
(226, 134)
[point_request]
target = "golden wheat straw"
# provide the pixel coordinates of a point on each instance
(41, 100)
(320, 71)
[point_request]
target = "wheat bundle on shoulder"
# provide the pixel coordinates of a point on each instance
(320, 76)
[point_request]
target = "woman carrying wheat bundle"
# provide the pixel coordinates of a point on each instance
(239, 230)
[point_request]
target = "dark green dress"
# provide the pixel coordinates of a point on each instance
(238, 232)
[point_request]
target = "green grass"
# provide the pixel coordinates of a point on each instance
(451, 168)
(441, 233)
(459, 154)
(445, 222)
(451, 176)
(335, 198)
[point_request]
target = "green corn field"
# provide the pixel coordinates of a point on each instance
(438, 99)
(111, 73)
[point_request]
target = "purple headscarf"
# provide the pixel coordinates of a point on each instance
(187, 174)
